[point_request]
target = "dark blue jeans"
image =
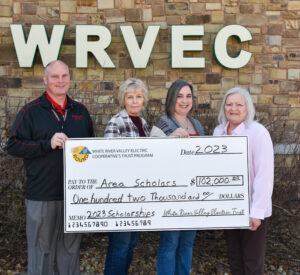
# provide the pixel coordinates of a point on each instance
(120, 252)
(175, 252)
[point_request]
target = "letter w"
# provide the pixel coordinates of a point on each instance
(37, 37)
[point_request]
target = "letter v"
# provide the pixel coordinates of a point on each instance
(37, 37)
(139, 56)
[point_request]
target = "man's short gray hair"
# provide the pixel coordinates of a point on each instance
(53, 62)
(249, 105)
(130, 85)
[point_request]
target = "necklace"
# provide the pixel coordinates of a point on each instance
(184, 124)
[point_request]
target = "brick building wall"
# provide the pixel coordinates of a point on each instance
(272, 76)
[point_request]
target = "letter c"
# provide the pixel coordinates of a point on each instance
(220, 46)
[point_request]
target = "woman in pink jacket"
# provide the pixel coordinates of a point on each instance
(246, 248)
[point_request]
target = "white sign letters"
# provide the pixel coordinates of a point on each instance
(37, 37)
(50, 49)
(179, 46)
(97, 48)
(139, 56)
(220, 46)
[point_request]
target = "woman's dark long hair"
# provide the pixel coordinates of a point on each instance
(172, 96)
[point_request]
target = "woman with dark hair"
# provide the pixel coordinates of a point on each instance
(246, 248)
(133, 97)
(175, 250)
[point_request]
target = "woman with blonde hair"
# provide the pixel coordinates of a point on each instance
(133, 96)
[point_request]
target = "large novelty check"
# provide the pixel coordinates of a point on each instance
(136, 184)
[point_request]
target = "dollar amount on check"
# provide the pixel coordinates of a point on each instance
(142, 184)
